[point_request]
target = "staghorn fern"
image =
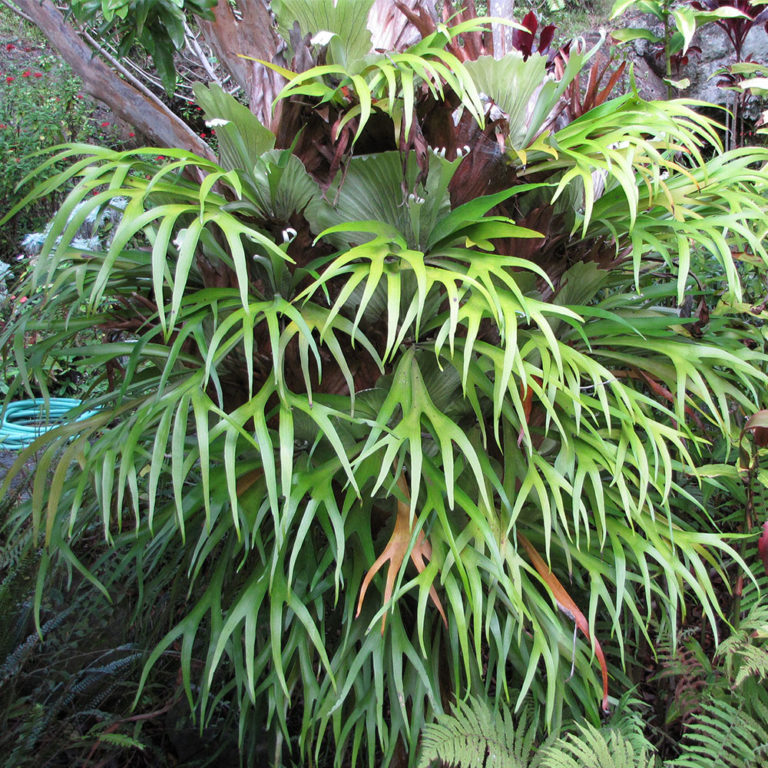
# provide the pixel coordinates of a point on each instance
(475, 736)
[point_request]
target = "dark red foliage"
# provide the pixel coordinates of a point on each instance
(737, 28)
(762, 546)
(525, 41)
(678, 60)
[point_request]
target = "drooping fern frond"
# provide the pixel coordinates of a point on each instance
(475, 736)
(13, 662)
(683, 662)
(608, 747)
(726, 736)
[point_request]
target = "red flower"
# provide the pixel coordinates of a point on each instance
(78, 95)
(37, 74)
(9, 47)
(202, 135)
(762, 546)
(9, 79)
(105, 125)
(131, 135)
(26, 74)
(22, 299)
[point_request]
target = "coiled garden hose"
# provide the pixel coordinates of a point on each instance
(25, 420)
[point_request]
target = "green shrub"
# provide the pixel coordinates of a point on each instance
(40, 106)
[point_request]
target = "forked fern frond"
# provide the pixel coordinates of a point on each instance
(475, 736)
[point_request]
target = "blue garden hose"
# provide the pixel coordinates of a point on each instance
(25, 420)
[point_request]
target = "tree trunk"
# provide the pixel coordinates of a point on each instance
(390, 28)
(502, 36)
(132, 103)
(253, 35)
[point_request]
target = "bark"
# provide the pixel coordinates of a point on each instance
(502, 36)
(391, 29)
(130, 103)
(253, 34)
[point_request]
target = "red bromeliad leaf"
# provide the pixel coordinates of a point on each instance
(523, 41)
(527, 394)
(762, 546)
(662, 391)
(758, 424)
(567, 605)
(395, 551)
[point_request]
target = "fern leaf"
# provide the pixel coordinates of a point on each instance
(121, 740)
(745, 656)
(592, 747)
(724, 736)
(476, 737)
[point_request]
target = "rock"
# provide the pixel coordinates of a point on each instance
(716, 53)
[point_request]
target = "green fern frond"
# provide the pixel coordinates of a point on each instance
(475, 736)
(14, 661)
(745, 652)
(121, 740)
(753, 663)
(592, 747)
(725, 736)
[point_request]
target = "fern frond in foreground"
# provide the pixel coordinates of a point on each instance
(476, 736)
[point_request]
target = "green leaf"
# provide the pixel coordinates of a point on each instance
(627, 34)
(685, 19)
(242, 138)
(346, 18)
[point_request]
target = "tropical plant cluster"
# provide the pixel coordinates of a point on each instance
(432, 391)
